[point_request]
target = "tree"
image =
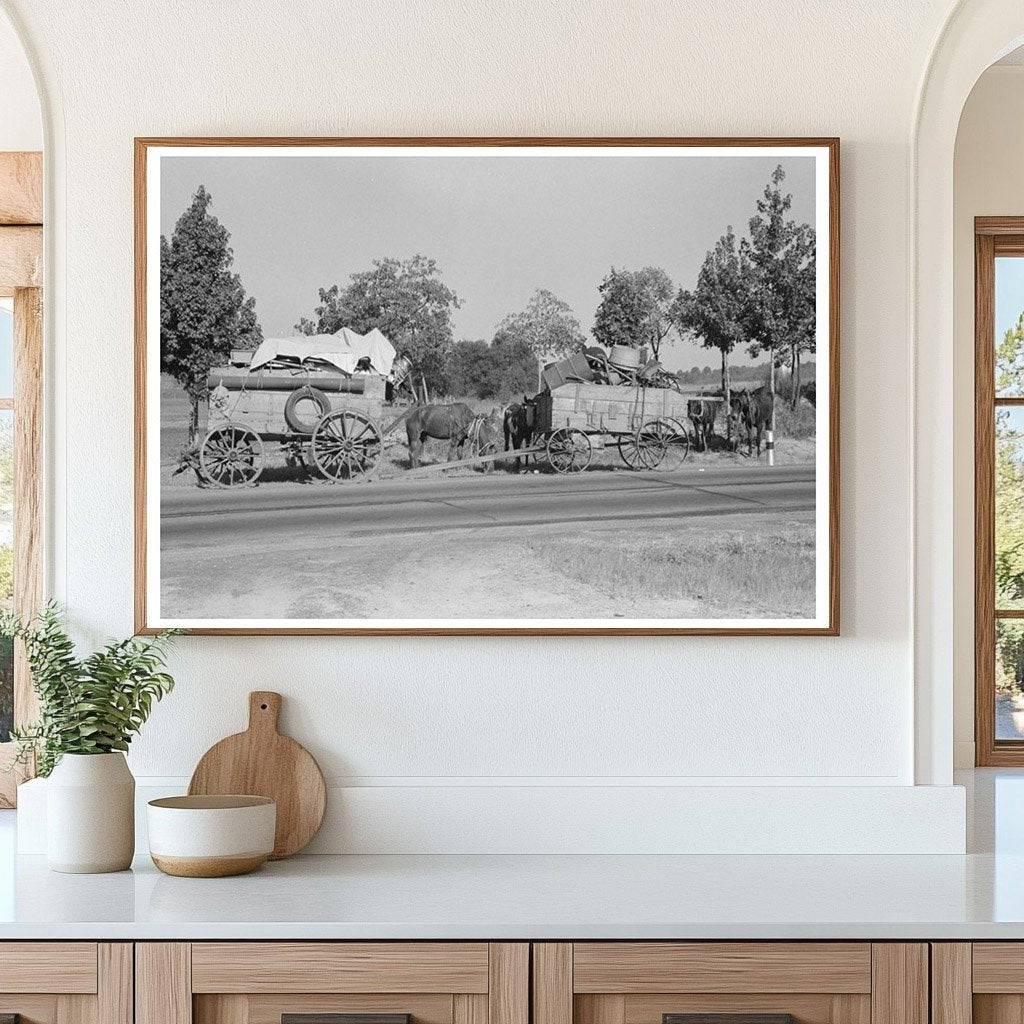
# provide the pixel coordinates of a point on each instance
(547, 328)
(636, 308)
(780, 255)
(1009, 471)
(406, 300)
(657, 295)
(1010, 360)
(1009, 509)
(622, 313)
(714, 311)
(473, 370)
(204, 312)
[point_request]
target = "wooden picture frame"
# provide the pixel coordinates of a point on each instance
(826, 619)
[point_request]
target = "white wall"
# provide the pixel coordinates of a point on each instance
(988, 181)
(441, 714)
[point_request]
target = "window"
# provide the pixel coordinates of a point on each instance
(6, 510)
(999, 490)
(21, 375)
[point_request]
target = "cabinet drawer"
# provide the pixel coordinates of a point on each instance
(340, 967)
(264, 982)
(634, 967)
(735, 982)
(48, 967)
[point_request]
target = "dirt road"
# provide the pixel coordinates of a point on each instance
(468, 546)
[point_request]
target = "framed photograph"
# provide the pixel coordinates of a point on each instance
(487, 386)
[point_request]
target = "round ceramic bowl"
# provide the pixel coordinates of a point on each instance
(211, 836)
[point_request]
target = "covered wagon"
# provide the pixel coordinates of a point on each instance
(321, 399)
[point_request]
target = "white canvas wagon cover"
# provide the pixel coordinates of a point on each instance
(342, 350)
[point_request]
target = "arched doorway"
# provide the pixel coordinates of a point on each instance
(976, 33)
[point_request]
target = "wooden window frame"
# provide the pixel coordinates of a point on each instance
(993, 237)
(21, 270)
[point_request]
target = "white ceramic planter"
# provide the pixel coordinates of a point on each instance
(90, 814)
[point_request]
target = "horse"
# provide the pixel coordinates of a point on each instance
(702, 413)
(754, 410)
(449, 423)
(518, 422)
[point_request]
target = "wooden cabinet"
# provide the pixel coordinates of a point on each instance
(261, 982)
(979, 982)
(647, 982)
(66, 982)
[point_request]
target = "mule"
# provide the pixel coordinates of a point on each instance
(449, 423)
(754, 410)
(518, 423)
(702, 413)
(485, 437)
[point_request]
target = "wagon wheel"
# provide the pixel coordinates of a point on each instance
(569, 450)
(662, 444)
(231, 456)
(628, 451)
(346, 445)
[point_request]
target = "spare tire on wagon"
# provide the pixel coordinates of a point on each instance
(305, 408)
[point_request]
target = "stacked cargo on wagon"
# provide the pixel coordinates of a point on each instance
(317, 398)
(593, 398)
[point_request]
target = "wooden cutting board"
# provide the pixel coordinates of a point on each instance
(262, 762)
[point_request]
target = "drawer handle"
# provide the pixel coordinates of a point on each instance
(728, 1018)
(340, 1018)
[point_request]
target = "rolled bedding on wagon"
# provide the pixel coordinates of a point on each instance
(343, 351)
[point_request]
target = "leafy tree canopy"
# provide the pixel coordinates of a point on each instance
(634, 308)
(204, 312)
(781, 302)
(1010, 361)
(405, 299)
(714, 311)
(547, 327)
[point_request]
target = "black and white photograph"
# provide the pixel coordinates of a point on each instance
(471, 386)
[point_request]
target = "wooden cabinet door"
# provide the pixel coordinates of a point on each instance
(737, 982)
(314, 982)
(66, 982)
(977, 983)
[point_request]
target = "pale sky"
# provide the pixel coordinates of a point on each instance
(499, 227)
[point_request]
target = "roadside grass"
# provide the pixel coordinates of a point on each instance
(767, 571)
(798, 423)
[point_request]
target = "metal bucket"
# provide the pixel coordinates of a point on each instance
(624, 357)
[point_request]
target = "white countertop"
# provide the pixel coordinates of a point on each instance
(532, 897)
(978, 896)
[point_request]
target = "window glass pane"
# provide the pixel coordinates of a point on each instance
(1009, 319)
(1009, 679)
(6, 352)
(6, 563)
(1009, 539)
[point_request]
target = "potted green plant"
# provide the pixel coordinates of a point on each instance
(89, 710)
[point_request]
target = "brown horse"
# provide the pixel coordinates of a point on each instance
(449, 423)
(518, 423)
